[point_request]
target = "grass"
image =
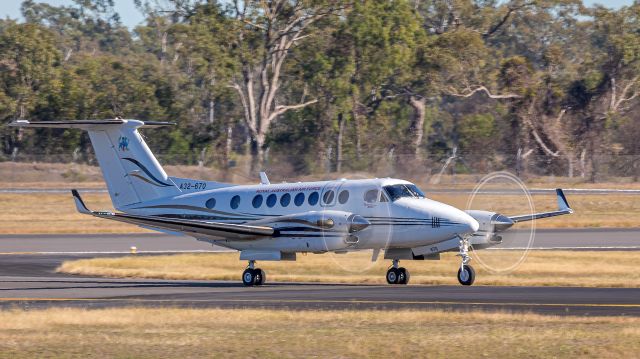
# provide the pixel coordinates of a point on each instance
(541, 268)
(56, 213)
(187, 333)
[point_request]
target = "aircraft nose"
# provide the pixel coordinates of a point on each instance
(469, 223)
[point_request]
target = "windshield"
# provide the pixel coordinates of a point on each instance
(397, 191)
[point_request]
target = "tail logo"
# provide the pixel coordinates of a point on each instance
(123, 143)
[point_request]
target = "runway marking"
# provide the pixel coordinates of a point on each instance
(319, 301)
(633, 248)
(116, 252)
(593, 248)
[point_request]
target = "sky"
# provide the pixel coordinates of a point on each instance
(131, 17)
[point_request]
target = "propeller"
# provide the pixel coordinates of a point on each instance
(498, 247)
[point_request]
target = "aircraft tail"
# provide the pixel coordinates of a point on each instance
(131, 171)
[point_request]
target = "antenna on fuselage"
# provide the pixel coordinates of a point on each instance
(264, 179)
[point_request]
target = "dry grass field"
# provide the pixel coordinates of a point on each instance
(541, 268)
(56, 213)
(233, 333)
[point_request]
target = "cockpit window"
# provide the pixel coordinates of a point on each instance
(415, 190)
(398, 191)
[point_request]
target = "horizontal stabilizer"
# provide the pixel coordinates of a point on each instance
(84, 124)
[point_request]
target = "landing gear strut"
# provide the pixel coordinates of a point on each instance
(253, 276)
(397, 275)
(466, 273)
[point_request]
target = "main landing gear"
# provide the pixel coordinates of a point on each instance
(253, 276)
(397, 275)
(466, 273)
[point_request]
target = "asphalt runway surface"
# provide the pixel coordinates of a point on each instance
(576, 239)
(28, 280)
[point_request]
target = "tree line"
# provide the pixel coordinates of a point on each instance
(337, 85)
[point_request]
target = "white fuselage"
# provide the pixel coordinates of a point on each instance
(403, 222)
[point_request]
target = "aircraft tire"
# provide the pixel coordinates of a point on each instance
(468, 276)
(261, 276)
(403, 276)
(392, 276)
(249, 277)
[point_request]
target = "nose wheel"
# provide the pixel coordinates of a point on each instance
(466, 273)
(253, 276)
(397, 275)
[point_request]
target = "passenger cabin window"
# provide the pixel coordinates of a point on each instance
(328, 197)
(371, 196)
(313, 198)
(398, 191)
(271, 200)
(257, 201)
(343, 197)
(299, 199)
(285, 200)
(235, 202)
(211, 203)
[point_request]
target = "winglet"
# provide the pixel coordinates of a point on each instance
(80, 206)
(563, 205)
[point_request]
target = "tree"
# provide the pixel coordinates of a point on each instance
(265, 33)
(29, 73)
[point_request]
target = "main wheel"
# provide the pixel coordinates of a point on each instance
(403, 276)
(261, 277)
(466, 275)
(249, 277)
(392, 276)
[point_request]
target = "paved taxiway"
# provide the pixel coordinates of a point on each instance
(28, 280)
(582, 238)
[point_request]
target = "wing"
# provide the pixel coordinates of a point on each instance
(215, 229)
(563, 208)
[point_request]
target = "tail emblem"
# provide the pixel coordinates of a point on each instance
(153, 179)
(123, 143)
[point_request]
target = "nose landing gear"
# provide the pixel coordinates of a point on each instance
(397, 275)
(253, 276)
(466, 273)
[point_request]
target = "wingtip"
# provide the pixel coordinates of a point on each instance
(80, 206)
(19, 123)
(563, 204)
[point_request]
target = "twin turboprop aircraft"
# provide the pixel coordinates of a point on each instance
(273, 222)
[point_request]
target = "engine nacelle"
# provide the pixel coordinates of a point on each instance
(339, 229)
(490, 224)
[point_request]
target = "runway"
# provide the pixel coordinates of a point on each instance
(28, 280)
(575, 239)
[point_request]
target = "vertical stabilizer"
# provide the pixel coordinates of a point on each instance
(130, 170)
